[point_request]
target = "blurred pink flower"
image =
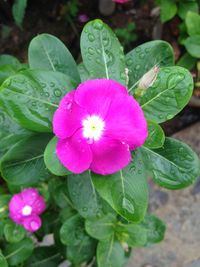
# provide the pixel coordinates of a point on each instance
(97, 125)
(25, 207)
(121, 1)
(83, 18)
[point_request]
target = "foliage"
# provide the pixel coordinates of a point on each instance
(94, 219)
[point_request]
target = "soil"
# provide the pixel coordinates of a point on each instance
(54, 17)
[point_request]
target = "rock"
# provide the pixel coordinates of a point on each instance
(106, 7)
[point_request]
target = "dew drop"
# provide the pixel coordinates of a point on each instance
(98, 25)
(169, 117)
(137, 67)
(142, 55)
(137, 49)
(91, 51)
(129, 62)
(52, 84)
(91, 37)
(85, 209)
(46, 94)
(57, 92)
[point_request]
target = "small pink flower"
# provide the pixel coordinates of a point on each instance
(121, 1)
(25, 207)
(97, 125)
(83, 18)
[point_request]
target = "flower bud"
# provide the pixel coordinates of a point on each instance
(148, 78)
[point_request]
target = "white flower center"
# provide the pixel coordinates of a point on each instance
(26, 211)
(93, 127)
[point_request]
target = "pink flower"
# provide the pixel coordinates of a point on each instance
(120, 1)
(83, 18)
(25, 207)
(97, 125)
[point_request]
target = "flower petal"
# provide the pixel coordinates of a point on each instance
(32, 223)
(96, 95)
(38, 205)
(109, 156)
(74, 152)
(16, 205)
(68, 117)
(125, 121)
(29, 196)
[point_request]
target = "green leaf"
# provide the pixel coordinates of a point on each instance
(3, 262)
(17, 253)
(84, 74)
(10, 133)
(174, 166)
(156, 135)
(72, 231)
(18, 11)
(126, 191)
(172, 88)
(102, 53)
(43, 257)
(4, 199)
(101, 228)
(110, 253)
(192, 23)
(6, 71)
(51, 160)
(144, 57)
(168, 10)
(13, 232)
(32, 96)
(184, 6)
(23, 164)
(187, 61)
(48, 53)
(155, 229)
(83, 252)
(132, 234)
(83, 195)
(9, 60)
(61, 196)
(192, 45)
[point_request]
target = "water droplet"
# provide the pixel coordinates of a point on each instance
(127, 205)
(147, 50)
(140, 171)
(129, 62)
(91, 51)
(167, 99)
(161, 116)
(98, 25)
(105, 41)
(137, 67)
(169, 117)
(46, 94)
(57, 92)
(52, 84)
(98, 51)
(34, 103)
(43, 85)
(98, 61)
(91, 37)
(142, 55)
(137, 49)
(181, 149)
(85, 209)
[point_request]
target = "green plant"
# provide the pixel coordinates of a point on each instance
(127, 34)
(95, 219)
